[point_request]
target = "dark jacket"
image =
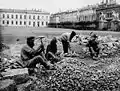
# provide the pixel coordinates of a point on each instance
(52, 47)
(28, 53)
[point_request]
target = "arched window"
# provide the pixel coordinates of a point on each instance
(29, 16)
(119, 16)
(12, 22)
(29, 23)
(46, 17)
(12, 16)
(20, 22)
(24, 22)
(24, 16)
(46, 23)
(33, 17)
(38, 17)
(3, 22)
(7, 22)
(7, 16)
(42, 23)
(20, 16)
(16, 22)
(38, 24)
(3, 15)
(16, 16)
(33, 24)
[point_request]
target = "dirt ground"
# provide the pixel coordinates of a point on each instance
(10, 34)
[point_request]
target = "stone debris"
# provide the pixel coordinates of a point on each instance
(8, 85)
(71, 74)
(13, 72)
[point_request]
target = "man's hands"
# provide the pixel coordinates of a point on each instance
(41, 48)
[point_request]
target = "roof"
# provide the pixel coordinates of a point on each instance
(24, 11)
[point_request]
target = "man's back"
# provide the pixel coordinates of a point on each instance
(65, 37)
(27, 53)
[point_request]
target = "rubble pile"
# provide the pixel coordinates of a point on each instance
(74, 75)
(71, 74)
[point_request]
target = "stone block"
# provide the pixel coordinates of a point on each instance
(8, 85)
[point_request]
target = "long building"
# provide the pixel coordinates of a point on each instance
(26, 18)
(88, 13)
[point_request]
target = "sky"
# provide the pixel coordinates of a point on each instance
(51, 6)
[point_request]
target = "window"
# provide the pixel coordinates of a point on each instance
(3, 15)
(33, 24)
(29, 23)
(42, 23)
(29, 16)
(20, 16)
(24, 16)
(16, 22)
(42, 17)
(12, 22)
(38, 23)
(16, 16)
(109, 15)
(46, 23)
(33, 17)
(46, 17)
(119, 16)
(24, 22)
(7, 22)
(38, 17)
(7, 16)
(3, 22)
(12, 16)
(20, 22)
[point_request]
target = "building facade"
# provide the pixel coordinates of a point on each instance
(55, 18)
(26, 18)
(108, 15)
(69, 16)
(88, 13)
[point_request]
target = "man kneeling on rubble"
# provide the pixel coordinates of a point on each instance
(93, 46)
(51, 51)
(31, 57)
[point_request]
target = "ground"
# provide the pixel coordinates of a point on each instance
(78, 73)
(10, 34)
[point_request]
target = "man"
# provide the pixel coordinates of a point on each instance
(93, 46)
(51, 51)
(31, 57)
(66, 38)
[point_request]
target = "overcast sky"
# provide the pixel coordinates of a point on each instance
(51, 6)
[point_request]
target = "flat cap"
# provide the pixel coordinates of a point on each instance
(30, 38)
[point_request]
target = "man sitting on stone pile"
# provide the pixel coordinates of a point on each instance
(31, 57)
(51, 51)
(93, 46)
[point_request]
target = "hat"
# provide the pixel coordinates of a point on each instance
(73, 33)
(30, 38)
(94, 36)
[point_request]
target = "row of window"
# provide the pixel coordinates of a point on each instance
(23, 23)
(22, 16)
(87, 18)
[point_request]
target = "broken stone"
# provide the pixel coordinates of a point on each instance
(20, 79)
(13, 72)
(24, 87)
(8, 85)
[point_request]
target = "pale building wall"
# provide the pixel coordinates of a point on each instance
(24, 19)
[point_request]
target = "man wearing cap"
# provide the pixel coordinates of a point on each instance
(30, 56)
(93, 46)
